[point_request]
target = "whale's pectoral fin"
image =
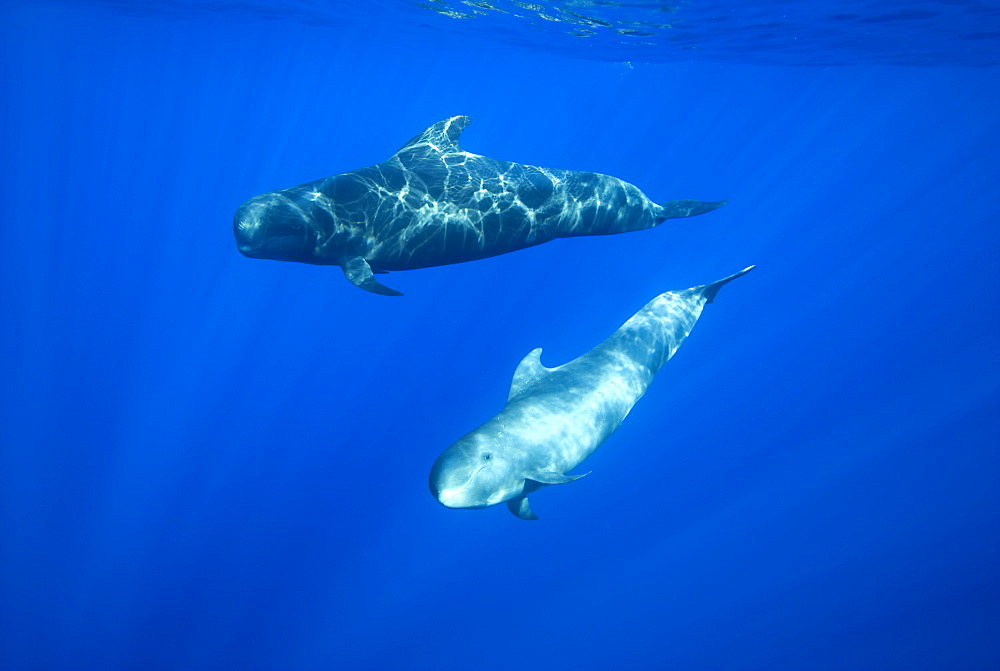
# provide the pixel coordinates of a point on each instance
(673, 209)
(520, 508)
(357, 270)
(529, 371)
(553, 478)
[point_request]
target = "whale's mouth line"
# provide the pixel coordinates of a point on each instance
(465, 487)
(270, 243)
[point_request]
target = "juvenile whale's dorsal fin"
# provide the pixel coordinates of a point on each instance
(441, 138)
(529, 371)
(357, 270)
(520, 508)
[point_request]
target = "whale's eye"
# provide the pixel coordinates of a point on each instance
(487, 456)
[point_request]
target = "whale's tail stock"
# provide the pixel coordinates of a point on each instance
(709, 290)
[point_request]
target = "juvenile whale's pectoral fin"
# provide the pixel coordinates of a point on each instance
(520, 508)
(357, 270)
(554, 478)
(440, 138)
(529, 371)
(673, 209)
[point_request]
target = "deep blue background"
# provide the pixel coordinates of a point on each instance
(210, 462)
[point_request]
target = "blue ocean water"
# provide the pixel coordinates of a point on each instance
(212, 462)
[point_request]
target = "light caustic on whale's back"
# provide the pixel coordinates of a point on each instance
(556, 417)
(432, 204)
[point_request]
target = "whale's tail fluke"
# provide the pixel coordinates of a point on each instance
(709, 290)
(673, 209)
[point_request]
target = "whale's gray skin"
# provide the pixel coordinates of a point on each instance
(433, 204)
(556, 417)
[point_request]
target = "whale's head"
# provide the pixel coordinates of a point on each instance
(475, 472)
(273, 226)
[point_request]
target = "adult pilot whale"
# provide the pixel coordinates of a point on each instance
(556, 417)
(432, 204)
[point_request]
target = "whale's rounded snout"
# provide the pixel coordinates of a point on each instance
(267, 228)
(443, 488)
(249, 226)
(472, 474)
(452, 484)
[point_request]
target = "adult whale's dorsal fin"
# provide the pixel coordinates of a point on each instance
(529, 371)
(357, 270)
(520, 508)
(441, 138)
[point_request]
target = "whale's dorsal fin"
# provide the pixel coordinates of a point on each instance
(357, 270)
(529, 371)
(520, 508)
(441, 138)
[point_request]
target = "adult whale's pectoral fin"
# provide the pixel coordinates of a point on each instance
(554, 478)
(673, 209)
(529, 371)
(357, 270)
(520, 508)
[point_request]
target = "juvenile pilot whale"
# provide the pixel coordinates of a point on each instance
(556, 417)
(432, 204)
